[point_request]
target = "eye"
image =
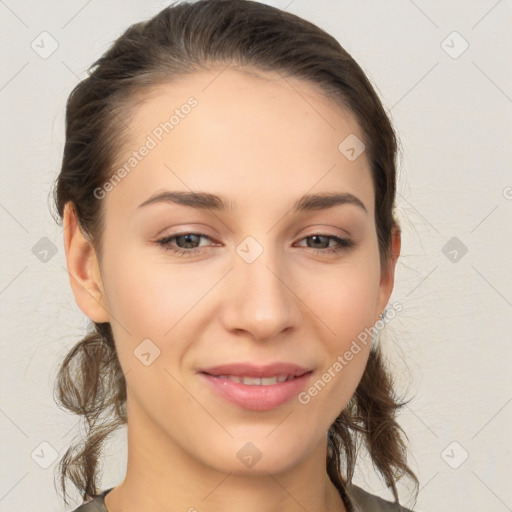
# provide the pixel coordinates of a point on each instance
(183, 242)
(186, 244)
(341, 243)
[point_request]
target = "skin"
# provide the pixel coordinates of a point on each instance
(262, 142)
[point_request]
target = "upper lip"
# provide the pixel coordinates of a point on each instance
(261, 371)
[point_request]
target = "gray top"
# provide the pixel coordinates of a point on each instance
(358, 501)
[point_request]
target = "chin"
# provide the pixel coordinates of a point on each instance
(259, 454)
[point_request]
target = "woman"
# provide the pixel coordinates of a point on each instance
(227, 193)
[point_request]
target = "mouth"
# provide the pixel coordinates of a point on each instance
(255, 392)
(255, 381)
(252, 370)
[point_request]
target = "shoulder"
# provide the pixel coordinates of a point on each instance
(365, 502)
(97, 504)
(362, 501)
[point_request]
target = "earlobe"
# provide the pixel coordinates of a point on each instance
(388, 277)
(83, 268)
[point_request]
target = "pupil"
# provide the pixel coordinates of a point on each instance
(187, 238)
(317, 237)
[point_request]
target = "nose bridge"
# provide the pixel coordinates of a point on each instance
(260, 301)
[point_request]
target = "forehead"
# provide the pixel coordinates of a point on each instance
(249, 97)
(234, 131)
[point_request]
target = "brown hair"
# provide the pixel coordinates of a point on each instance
(180, 40)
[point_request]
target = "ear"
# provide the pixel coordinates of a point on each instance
(387, 279)
(83, 268)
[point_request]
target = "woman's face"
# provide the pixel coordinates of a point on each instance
(256, 283)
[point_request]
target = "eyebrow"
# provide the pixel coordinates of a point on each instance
(205, 200)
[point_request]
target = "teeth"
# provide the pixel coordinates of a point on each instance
(255, 381)
(234, 378)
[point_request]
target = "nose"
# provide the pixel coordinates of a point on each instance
(261, 300)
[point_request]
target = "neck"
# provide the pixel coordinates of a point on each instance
(162, 476)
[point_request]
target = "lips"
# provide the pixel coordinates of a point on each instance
(256, 381)
(257, 371)
(258, 388)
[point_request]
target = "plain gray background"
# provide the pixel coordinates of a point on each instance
(450, 347)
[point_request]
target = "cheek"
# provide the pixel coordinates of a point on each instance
(347, 310)
(346, 301)
(149, 299)
(164, 303)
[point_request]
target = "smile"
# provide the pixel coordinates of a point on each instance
(257, 393)
(255, 381)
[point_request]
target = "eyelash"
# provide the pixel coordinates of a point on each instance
(343, 244)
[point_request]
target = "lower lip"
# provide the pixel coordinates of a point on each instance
(257, 398)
